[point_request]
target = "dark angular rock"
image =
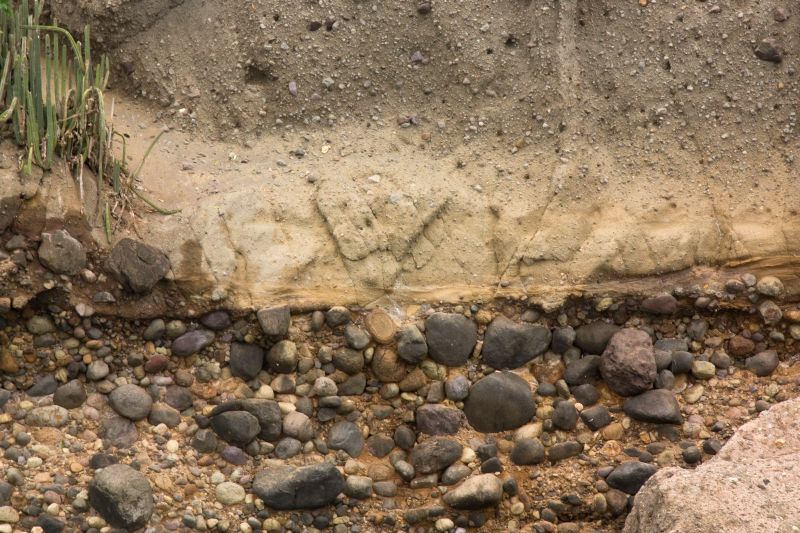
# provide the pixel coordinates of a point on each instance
(456, 388)
(628, 364)
(50, 524)
(122, 496)
(204, 441)
(507, 345)
(44, 386)
(596, 417)
(435, 419)
(353, 385)
(564, 450)
(592, 338)
(192, 342)
(70, 395)
(565, 416)
(563, 338)
(434, 455)
(307, 487)
(658, 406)
(405, 437)
(629, 477)
(487, 406)
(587, 394)
(275, 321)
(763, 363)
(380, 445)
(671, 345)
(120, 432)
(664, 380)
(236, 427)
(137, 266)
(348, 361)
(450, 337)
(268, 414)
(681, 362)
(346, 436)
(102, 460)
(768, 50)
(411, 345)
(178, 397)
(61, 253)
(246, 360)
(162, 413)
(234, 455)
(528, 452)
(6, 490)
(582, 371)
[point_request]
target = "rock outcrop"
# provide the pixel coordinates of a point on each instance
(751, 485)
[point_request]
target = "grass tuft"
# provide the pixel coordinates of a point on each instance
(52, 93)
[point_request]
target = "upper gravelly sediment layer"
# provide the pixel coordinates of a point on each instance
(346, 151)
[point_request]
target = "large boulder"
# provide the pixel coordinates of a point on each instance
(62, 253)
(122, 496)
(510, 345)
(752, 484)
(307, 487)
(137, 266)
(499, 402)
(628, 364)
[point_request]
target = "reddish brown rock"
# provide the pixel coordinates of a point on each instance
(628, 364)
(740, 346)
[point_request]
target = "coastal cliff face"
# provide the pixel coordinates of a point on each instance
(362, 149)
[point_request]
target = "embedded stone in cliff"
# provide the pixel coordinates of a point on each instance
(61, 253)
(628, 364)
(499, 402)
(450, 338)
(768, 50)
(275, 321)
(510, 345)
(661, 304)
(137, 266)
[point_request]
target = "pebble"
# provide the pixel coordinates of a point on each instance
(229, 493)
